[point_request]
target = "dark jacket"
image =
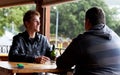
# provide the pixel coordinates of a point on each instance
(96, 52)
(24, 49)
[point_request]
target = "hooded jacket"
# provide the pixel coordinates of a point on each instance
(95, 52)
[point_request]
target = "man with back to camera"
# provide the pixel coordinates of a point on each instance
(96, 51)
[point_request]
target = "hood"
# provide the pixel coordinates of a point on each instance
(100, 30)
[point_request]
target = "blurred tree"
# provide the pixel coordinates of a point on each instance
(12, 15)
(71, 17)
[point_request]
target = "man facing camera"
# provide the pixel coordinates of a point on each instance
(30, 46)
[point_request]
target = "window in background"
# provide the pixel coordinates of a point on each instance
(67, 20)
(11, 24)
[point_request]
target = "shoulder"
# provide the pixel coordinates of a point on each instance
(41, 36)
(19, 35)
(80, 37)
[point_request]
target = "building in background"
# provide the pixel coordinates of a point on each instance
(6, 42)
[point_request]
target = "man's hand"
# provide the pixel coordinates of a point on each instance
(42, 59)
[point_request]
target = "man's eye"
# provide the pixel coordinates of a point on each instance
(34, 20)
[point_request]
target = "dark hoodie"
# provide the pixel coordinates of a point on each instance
(100, 30)
(96, 52)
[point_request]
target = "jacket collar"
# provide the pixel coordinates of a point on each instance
(26, 35)
(100, 30)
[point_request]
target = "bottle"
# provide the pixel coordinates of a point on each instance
(53, 53)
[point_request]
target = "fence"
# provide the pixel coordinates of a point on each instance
(4, 49)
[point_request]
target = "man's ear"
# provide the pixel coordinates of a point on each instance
(26, 24)
(87, 24)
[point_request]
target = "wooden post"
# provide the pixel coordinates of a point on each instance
(44, 19)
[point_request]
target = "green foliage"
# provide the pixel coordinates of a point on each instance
(12, 15)
(71, 17)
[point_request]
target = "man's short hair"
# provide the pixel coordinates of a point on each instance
(29, 14)
(95, 15)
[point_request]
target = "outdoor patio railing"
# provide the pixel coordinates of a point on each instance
(4, 49)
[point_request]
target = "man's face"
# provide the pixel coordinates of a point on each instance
(34, 24)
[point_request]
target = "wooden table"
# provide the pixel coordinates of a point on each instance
(10, 68)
